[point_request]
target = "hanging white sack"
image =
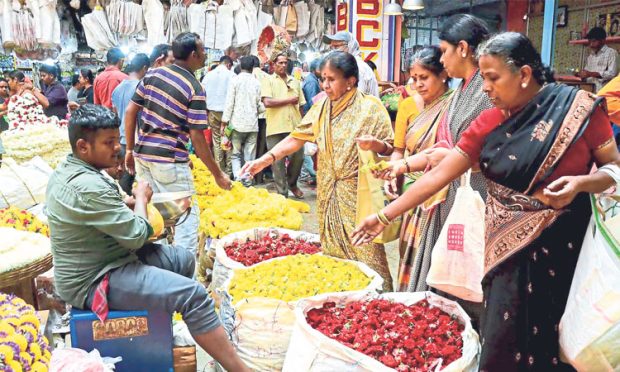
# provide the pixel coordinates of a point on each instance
(7, 24)
(310, 350)
(153, 13)
(263, 20)
(303, 18)
(457, 262)
(225, 27)
(211, 20)
(590, 326)
(48, 26)
(196, 19)
(242, 35)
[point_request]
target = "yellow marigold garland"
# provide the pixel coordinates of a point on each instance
(226, 212)
(296, 277)
(22, 347)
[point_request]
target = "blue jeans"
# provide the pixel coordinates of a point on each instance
(174, 177)
(308, 168)
(243, 150)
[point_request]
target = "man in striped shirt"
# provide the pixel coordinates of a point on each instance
(173, 111)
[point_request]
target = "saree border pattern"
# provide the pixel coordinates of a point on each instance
(515, 220)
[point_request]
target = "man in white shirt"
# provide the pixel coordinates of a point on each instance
(243, 105)
(216, 84)
(344, 41)
(602, 63)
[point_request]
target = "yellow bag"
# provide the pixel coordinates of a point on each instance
(371, 198)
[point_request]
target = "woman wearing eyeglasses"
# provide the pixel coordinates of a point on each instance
(334, 123)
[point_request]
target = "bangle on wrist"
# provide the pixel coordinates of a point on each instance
(385, 147)
(407, 166)
(383, 218)
(273, 157)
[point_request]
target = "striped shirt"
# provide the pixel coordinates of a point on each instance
(173, 102)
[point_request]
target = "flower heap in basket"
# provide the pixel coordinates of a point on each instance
(22, 346)
(295, 277)
(25, 111)
(270, 246)
(418, 337)
(48, 141)
(21, 248)
(226, 212)
(22, 220)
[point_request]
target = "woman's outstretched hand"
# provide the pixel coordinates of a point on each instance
(254, 166)
(369, 229)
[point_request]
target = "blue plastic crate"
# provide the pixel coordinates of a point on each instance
(142, 338)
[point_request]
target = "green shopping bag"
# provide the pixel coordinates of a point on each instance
(371, 198)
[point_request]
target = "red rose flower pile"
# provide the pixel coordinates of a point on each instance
(254, 251)
(407, 338)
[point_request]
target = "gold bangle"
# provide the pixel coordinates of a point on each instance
(383, 218)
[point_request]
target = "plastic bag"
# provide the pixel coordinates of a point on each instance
(260, 328)
(457, 263)
(310, 350)
(590, 326)
(78, 360)
(371, 198)
(310, 149)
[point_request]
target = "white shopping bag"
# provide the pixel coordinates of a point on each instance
(590, 326)
(457, 262)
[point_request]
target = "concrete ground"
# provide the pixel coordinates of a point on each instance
(310, 224)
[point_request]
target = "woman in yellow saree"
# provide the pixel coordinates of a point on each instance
(335, 123)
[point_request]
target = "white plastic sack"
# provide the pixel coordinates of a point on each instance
(457, 262)
(23, 186)
(78, 360)
(310, 148)
(260, 328)
(590, 326)
(310, 350)
(224, 28)
(223, 266)
(153, 13)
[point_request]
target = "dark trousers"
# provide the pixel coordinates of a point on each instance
(285, 177)
(261, 146)
(161, 280)
(127, 179)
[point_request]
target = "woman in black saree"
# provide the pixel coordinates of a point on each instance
(536, 149)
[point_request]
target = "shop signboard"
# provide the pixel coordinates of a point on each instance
(376, 33)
